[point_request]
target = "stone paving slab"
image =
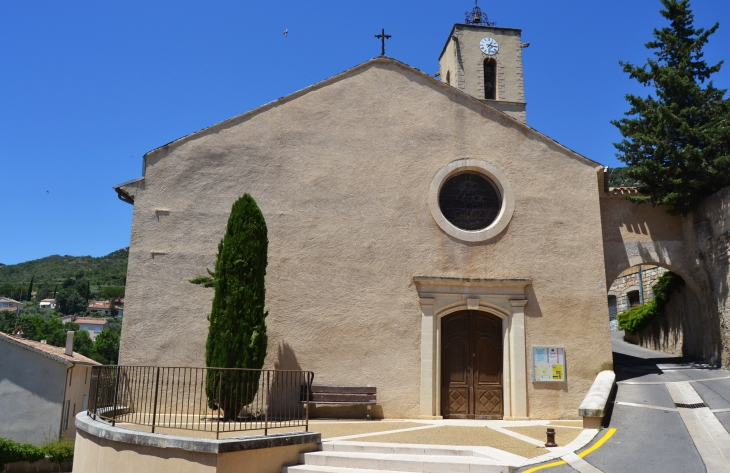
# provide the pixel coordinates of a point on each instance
(333, 430)
(466, 436)
(568, 423)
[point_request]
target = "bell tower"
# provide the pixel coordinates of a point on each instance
(485, 61)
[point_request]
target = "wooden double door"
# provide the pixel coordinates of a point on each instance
(471, 366)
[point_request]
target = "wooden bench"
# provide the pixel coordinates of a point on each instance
(341, 396)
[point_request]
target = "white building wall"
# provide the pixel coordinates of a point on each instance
(31, 395)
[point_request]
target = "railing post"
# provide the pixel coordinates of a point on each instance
(116, 388)
(218, 424)
(306, 408)
(96, 390)
(154, 406)
(266, 405)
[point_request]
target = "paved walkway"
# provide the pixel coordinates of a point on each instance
(439, 445)
(670, 415)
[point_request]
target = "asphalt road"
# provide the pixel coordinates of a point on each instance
(652, 440)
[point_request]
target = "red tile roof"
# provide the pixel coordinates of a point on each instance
(49, 351)
(90, 320)
(623, 190)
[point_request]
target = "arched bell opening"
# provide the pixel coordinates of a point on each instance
(490, 79)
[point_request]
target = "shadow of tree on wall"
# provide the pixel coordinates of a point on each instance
(286, 386)
(667, 331)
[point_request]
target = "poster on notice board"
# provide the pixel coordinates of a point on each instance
(548, 364)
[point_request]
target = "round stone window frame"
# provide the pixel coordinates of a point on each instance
(491, 173)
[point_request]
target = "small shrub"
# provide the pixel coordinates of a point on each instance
(636, 318)
(60, 451)
(12, 451)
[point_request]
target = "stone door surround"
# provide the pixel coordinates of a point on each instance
(505, 298)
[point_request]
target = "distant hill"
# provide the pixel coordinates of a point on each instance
(109, 270)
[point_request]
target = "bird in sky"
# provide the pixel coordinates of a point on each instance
(47, 192)
(286, 32)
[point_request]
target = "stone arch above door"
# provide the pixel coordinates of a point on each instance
(505, 298)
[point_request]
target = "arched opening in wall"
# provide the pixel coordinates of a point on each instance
(652, 305)
(490, 79)
(448, 77)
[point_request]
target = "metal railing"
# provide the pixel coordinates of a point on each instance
(214, 400)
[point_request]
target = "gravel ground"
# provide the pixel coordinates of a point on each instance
(467, 436)
(563, 436)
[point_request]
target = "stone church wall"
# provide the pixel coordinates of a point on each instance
(343, 184)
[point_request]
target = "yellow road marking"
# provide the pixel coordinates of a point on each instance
(595, 447)
(598, 444)
(549, 465)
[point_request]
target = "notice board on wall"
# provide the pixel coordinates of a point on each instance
(548, 364)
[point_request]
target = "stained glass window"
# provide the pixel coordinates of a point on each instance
(469, 201)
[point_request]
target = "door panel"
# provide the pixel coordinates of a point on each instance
(456, 365)
(471, 375)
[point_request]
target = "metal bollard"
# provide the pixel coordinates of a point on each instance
(551, 438)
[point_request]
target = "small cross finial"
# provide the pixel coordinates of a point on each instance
(382, 37)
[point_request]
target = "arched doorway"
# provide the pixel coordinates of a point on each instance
(471, 366)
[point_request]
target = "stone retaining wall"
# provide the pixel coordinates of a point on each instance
(101, 448)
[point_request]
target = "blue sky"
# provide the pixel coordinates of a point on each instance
(86, 88)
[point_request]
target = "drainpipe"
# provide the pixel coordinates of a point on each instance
(641, 285)
(63, 400)
(69, 351)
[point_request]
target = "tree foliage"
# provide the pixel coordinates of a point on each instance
(70, 302)
(237, 334)
(114, 295)
(677, 143)
(109, 270)
(106, 347)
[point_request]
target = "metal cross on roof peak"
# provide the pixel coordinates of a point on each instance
(382, 37)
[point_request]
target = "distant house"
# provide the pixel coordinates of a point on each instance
(93, 325)
(104, 307)
(42, 388)
(47, 304)
(9, 304)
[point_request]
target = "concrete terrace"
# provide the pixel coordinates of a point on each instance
(493, 443)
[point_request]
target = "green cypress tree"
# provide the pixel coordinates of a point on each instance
(30, 288)
(237, 333)
(677, 144)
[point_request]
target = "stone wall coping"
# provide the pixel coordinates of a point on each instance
(594, 404)
(103, 430)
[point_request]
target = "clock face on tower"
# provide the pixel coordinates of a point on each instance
(489, 46)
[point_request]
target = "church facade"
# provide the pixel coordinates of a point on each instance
(423, 239)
